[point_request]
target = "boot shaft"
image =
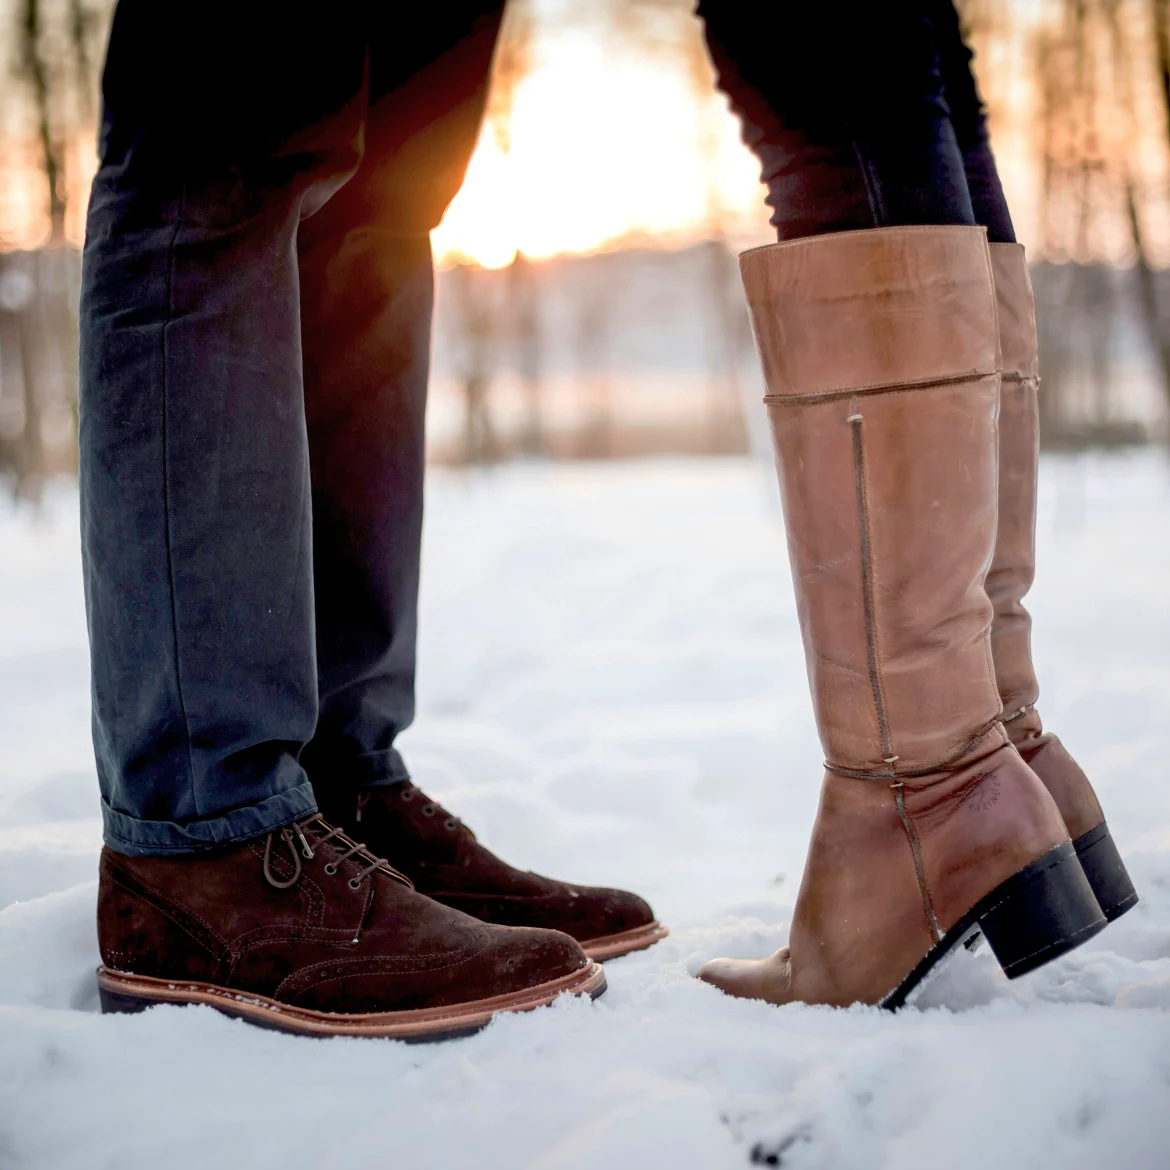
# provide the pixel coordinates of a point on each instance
(880, 351)
(1013, 567)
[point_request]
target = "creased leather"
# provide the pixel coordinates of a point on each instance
(897, 305)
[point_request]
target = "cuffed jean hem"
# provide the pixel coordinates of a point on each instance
(377, 769)
(129, 835)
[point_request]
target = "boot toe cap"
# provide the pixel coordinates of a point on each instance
(767, 979)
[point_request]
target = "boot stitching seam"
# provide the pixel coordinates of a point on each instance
(150, 892)
(867, 589)
(372, 965)
(169, 910)
(867, 595)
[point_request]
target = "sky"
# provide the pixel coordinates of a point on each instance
(603, 147)
(606, 144)
(611, 142)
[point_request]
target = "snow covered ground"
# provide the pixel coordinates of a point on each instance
(612, 690)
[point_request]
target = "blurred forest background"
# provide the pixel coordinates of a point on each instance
(634, 339)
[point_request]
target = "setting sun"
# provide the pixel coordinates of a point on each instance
(600, 150)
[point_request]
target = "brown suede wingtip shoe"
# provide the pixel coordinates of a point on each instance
(445, 861)
(306, 931)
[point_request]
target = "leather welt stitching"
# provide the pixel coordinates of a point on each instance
(919, 865)
(881, 388)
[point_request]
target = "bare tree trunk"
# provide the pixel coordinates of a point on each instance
(30, 446)
(1148, 292)
(1162, 46)
(524, 303)
(39, 76)
(1147, 288)
(477, 328)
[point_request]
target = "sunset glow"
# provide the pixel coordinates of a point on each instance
(600, 151)
(612, 142)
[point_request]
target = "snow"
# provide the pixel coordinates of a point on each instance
(612, 690)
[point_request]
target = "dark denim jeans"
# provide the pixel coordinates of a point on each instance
(256, 308)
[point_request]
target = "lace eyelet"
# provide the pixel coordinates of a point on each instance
(450, 824)
(330, 868)
(407, 796)
(354, 883)
(428, 810)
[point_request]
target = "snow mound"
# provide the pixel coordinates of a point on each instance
(612, 690)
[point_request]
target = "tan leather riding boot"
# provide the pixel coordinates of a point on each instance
(881, 359)
(1012, 570)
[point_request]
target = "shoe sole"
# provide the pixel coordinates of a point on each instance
(612, 946)
(1106, 872)
(1041, 912)
(126, 993)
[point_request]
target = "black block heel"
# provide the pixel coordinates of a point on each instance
(1106, 871)
(1037, 915)
(1040, 913)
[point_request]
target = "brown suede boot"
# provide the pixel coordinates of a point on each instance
(306, 931)
(880, 354)
(1012, 571)
(446, 862)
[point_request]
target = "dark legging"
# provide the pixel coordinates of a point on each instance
(862, 115)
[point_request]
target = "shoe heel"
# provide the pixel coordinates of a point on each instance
(1106, 872)
(1040, 913)
(114, 1004)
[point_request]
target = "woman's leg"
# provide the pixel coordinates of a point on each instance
(845, 106)
(881, 355)
(969, 119)
(1014, 564)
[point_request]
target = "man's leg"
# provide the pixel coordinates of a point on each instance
(366, 313)
(366, 308)
(195, 501)
(219, 883)
(193, 454)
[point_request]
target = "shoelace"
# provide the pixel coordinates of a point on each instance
(326, 833)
